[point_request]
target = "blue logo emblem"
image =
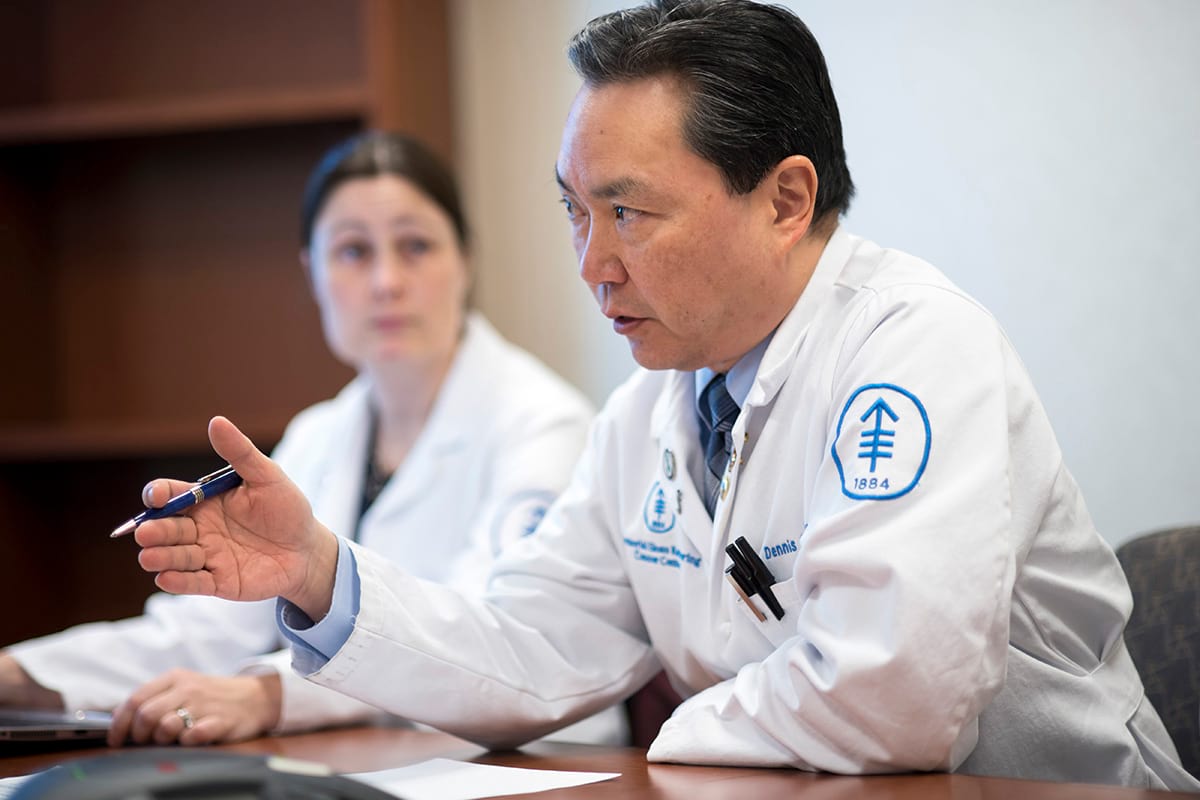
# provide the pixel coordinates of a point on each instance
(657, 511)
(882, 442)
(519, 517)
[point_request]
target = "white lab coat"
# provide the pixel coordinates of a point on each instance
(955, 609)
(499, 444)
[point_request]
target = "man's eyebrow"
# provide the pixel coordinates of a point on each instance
(559, 180)
(620, 187)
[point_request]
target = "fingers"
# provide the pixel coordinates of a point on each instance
(232, 445)
(209, 730)
(156, 493)
(189, 708)
(186, 582)
(143, 711)
(236, 448)
(166, 532)
(184, 558)
(169, 548)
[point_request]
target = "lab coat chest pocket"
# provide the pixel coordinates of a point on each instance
(754, 638)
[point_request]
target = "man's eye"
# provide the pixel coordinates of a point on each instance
(619, 212)
(569, 206)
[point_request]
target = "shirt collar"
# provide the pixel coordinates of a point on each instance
(739, 379)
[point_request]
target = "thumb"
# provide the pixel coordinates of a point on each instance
(237, 449)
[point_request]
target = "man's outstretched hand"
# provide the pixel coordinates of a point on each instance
(256, 541)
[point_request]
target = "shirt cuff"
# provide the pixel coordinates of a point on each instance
(314, 644)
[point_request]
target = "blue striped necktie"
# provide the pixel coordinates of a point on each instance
(718, 412)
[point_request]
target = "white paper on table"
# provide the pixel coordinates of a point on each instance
(446, 779)
(8, 786)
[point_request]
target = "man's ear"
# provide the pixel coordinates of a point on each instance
(793, 184)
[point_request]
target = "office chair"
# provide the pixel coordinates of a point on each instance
(1163, 634)
(649, 708)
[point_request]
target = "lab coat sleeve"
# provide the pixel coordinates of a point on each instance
(307, 706)
(97, 665)
(556, 637)
(897, 636)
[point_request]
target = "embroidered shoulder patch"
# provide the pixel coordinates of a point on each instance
(519, 517)
(882, 442)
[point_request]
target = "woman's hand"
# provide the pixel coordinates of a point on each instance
(191, 708)
(256, 541)
(18, 689)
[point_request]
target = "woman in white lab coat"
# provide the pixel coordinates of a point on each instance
(448, 445)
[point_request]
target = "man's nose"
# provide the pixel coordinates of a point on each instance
(599, 259)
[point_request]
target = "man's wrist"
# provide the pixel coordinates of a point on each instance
(315, 594)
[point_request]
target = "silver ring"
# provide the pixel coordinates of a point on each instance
(186, 716)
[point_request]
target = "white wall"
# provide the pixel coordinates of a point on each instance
(513, 87)
(1046, 155)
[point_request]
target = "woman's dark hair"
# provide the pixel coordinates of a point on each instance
(759, 90)
(373, 153)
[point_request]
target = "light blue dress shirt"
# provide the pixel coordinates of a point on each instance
(318, 642)
(738, 382)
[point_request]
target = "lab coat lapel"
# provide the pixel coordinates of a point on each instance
(777, 365)
(675, 429)
(458, 410)
(338, 496)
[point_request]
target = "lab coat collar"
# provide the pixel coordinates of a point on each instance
(458, 405)
(460, 398)
(459, 410)
(339, 490)
(667, 406)
(777, 362)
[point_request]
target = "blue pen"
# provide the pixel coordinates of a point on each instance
(212, 485)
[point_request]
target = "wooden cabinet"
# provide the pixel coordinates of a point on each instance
(152, 157)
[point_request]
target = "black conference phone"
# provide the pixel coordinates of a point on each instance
(189, 774)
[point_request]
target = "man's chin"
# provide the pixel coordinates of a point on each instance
(653, 358)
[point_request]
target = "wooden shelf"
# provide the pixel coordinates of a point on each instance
(224, 111)
(122, 439)
(153, 154)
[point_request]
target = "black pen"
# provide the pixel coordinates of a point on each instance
(763, 579)
(211, 485)
(755, 573)
(745, 588)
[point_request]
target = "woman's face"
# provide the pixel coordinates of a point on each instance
(388, 274)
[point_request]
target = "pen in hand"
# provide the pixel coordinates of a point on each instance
(211, 485)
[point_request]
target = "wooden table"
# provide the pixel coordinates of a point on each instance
(365, 749)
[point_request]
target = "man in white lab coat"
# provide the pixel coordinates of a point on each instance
(920, 586)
